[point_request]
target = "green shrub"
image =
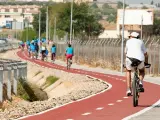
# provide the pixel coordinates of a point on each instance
(50, 80)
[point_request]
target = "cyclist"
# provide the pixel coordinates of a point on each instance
(22, 45)
(135, 52)
(43, 51)
(27, 43)
(53, 53)
(36, 49)
(32, 49)
(69, 52)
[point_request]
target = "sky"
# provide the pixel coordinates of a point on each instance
(140, 1)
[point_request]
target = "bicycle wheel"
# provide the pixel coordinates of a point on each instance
(135, 92)
(69, 65)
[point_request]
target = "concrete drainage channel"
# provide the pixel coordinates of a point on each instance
(13, 77)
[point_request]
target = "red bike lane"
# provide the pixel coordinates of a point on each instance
(109, 105)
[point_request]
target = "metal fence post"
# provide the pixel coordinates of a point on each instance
(9, 82)
(15, 79)
(1, 83)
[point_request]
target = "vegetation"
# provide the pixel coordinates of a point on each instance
(50, 80)
(31, 34)
(84, 20)
(111, 12)
(30, 92)
(43, 20)
(156, 27)
(25, 92)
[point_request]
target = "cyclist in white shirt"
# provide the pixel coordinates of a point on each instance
(135, 51)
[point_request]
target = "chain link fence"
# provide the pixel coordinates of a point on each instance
(106, 53)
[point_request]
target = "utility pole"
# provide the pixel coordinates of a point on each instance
(27, 27)
(142, 27)
(47, 26)
(122, 44)
(54, 29)
(71, 22)
(39, 29)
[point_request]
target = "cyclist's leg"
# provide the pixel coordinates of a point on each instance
(67, 57)
(141, 75)
(128, 76)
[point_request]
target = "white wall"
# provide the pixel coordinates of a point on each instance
(112, 34)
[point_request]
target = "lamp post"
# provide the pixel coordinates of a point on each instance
(71, 22)
(122, 44)
(47, 26)
(39, 28)
(142, 27)
(54, 30)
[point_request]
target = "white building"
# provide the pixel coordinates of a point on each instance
(11, 13)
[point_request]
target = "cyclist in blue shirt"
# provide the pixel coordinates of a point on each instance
(69, 52)
(53, 53)
(32, 49)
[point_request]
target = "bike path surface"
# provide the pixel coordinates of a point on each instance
(111, 104)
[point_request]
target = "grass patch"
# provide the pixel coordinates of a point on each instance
(50, 80)
(38, 72)
(21, 92)
(25, 91)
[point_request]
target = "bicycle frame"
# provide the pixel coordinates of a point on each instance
(68, 63)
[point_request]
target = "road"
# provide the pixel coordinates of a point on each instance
(110, 105)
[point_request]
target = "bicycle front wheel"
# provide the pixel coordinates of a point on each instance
(135, 92)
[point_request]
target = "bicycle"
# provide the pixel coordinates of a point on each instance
(69, 63)
(135, 82)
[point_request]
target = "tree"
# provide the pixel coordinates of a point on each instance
(120, 5)
(94, 5)
(84, 21)
(43, 20)
(111, 18)
(156, 26)
(31, 34)
(152, 2)
(106, 6)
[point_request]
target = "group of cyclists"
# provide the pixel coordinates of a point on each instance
(135, 52)
(36, 48)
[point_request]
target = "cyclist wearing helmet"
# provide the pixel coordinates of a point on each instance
(135, 52)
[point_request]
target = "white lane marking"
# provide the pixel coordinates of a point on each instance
(110, 104)
(119, 101)
(142, 111)
(86, 113)
(100, 108)
(125, 97)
